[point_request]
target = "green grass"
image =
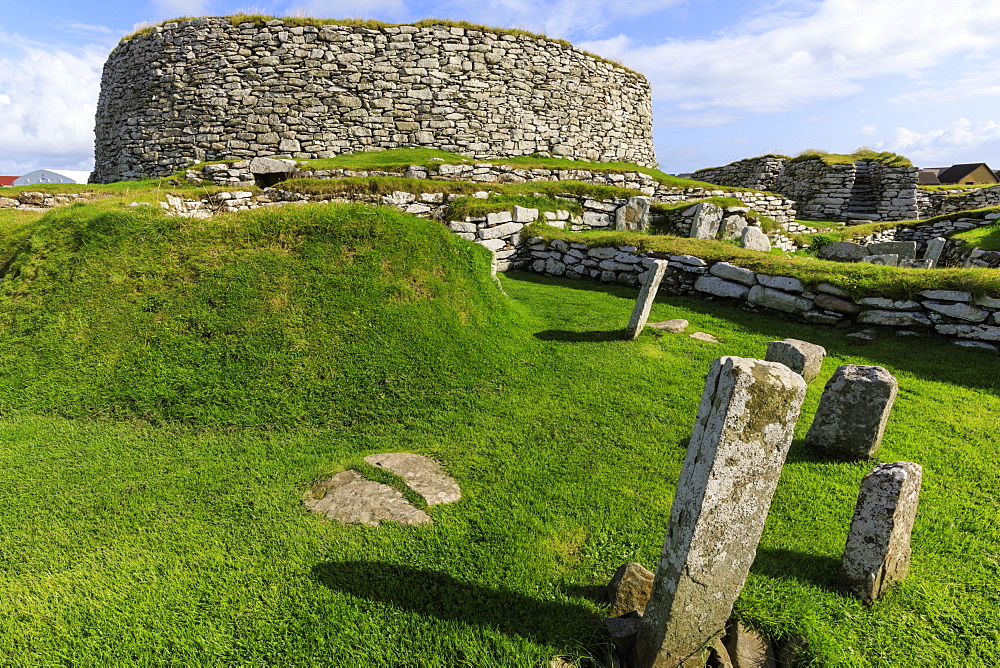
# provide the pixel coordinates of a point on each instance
(958, 186)
(477, 207)
(985, 238)
(145, 531)
(399, 159)
(887, 158)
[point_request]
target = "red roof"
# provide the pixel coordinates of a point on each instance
(8, 180)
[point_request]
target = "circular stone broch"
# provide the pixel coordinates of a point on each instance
(206, 89)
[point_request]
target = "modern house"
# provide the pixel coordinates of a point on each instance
(7, 181)
(51, 176)
(972, 174)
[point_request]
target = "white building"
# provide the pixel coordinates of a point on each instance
(52, 176)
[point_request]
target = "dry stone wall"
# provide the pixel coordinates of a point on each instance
(206, 90)
(941, 202)
(865, 190)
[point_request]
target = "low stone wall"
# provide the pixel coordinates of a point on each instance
(36, 200)
(948, 313)
(941, 202)
(758, 173)
(865, 190)
(773, 206)
(925, 232)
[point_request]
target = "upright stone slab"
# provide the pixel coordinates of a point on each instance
(640, 314)
(877, 554)
(802, 357)
(906, 250)
(741, 437)
(934, 249)
(843, 251)
(853, 410)
(634, 216)
(705, 220)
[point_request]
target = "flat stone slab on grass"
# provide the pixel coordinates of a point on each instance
(673, 326)
(424, 476)
(352, 499)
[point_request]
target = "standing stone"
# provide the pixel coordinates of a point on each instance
(934, 249)
(802, 357)
(877, 554)
(853, 410)
(634, 216)
(741, 436)
(755, 239)
(705, 220)
(643, 304)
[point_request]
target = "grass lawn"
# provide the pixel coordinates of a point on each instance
(986, 238)
(171, 387)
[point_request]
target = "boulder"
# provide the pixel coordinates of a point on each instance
(853, 411)
(634, 215)
(629, 589)
(754, 239)
(705, 220)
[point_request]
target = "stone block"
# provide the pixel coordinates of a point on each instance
(831, 303)
(754, 239)
(705, 220)
(731, 272)
(785, 283)
(877, 554)
(644, 302)
(271, 166)
(525, 215)
(737, 449)
(733, 226)
(719, 287)
(893, 318)
(917, 264)
(853, 411)
(935, 247)
(778, 300)
(904, 250)
(843, 251)
(947, 295)
(802, 357)
(500, 231)
(499, 218)
(634, 215)
(629, 589)
(958, 311)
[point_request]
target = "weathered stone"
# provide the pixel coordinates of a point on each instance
(271, 166)
(714, 285)
(421, 474)
(754, 239)
(778, 300)
(493, 244)
(351, 499)
(843, 251)
(831, 303)
(643, 304)
(947, 295)
(890, 304)
(877, 554)
(904, 250)
(958, 311)
(893, 318)
(733, 226)
(499, 218)
(749, 649)
(853, 410)
(673, 326)
(629, 589)
(935, 247)
(802, 357)
(889, 260)
(785, 283)
(8, 203)
(703, 336)
(623, 631)
(741, 436)
(705, 220)
(833, 290)
(916, 264)
(634, 216)
(731, 272)
(500, 231)
(977, 332)
(524, 215)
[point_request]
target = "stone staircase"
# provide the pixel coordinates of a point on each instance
(862, 204)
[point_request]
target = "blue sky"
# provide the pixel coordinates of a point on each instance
(731, 78)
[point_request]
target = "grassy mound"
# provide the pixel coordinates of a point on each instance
(310, 315)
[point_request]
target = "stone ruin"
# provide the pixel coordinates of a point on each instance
(205, 90)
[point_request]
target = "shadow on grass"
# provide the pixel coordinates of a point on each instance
(443, 596)
(815, 569)
(581, 337)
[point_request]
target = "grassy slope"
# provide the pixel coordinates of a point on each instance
(174, 530)
(986, 238)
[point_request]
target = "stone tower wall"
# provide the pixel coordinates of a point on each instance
(205, 90)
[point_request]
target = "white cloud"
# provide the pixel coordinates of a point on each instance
(48, 101)
(792, 59)
(867, 131)
(960, 138)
